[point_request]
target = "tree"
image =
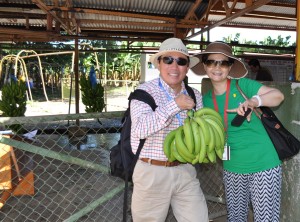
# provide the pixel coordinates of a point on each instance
(269, 41)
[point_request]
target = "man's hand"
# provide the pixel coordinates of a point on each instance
(184, 102)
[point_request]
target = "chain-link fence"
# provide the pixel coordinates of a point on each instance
(62, 173)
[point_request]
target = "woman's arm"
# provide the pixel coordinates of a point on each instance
(267, 96)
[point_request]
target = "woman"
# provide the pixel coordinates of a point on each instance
(252, 172)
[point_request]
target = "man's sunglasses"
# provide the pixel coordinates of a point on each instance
(169, 60)
(221, 63)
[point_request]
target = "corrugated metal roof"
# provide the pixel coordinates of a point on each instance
(152, 20)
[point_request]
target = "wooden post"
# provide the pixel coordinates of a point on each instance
(22, 185)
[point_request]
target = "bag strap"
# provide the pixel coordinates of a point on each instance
(142, 96)
(191, 93)
(256, 110)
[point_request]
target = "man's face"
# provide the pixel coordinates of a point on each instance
(173, 73)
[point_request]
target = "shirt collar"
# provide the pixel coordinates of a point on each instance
(169, 89)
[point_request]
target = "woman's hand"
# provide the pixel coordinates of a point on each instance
(241, 109)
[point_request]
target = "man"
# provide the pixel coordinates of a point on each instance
(262, 73)
(157, 182)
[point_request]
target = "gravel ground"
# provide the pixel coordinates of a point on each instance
(116, 103)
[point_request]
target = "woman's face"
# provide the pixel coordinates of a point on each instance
(217, 67)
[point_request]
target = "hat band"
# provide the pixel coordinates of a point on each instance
(177, 49)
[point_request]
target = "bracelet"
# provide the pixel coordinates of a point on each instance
(258, 99)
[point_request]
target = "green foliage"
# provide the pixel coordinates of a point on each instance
(269, 41)
(92, 97)
(13, 102)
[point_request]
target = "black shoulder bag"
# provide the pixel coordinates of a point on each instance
(285, 143)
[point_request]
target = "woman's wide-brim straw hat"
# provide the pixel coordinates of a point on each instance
(173, 45)
(238, 68)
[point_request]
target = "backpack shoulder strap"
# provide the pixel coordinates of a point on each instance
(143, 96)
(191, 93)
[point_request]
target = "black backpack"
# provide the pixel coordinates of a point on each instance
(122, 159)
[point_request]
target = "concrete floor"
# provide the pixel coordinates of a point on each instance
(219, 219)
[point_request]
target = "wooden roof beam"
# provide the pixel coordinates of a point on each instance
(130, 30)
(148, 23)
(47, 10)
(239, 13)
(24, 32)
(211, 5)
(259, 14)
(228, 9)
(191, 12)
(190, 15)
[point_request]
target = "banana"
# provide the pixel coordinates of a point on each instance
(190, 113)
(206, 160)
(204, 128)
(188, 135)
(181, 147)
(172, 157)
(218, 144)
(220, 123)
(175, 152)
(207, 111)
(219, 153)
(201, 139)
(219, 147)
(196, 134)
(219, 134)
(196, 159)
(202, 153)
(212, 143)
(212, 156)
(218, 129)
(167, 143)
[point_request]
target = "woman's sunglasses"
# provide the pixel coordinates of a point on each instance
(214, 63)
(169, 60)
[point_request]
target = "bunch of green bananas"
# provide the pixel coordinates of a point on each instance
(13, 102)
(92, 96)
(201, 139)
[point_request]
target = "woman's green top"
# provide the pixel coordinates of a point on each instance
(251, 149)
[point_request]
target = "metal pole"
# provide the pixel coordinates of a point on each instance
(76, 72)
(105, 81)
(297, 60)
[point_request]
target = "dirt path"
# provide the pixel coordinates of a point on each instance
(116, 103)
